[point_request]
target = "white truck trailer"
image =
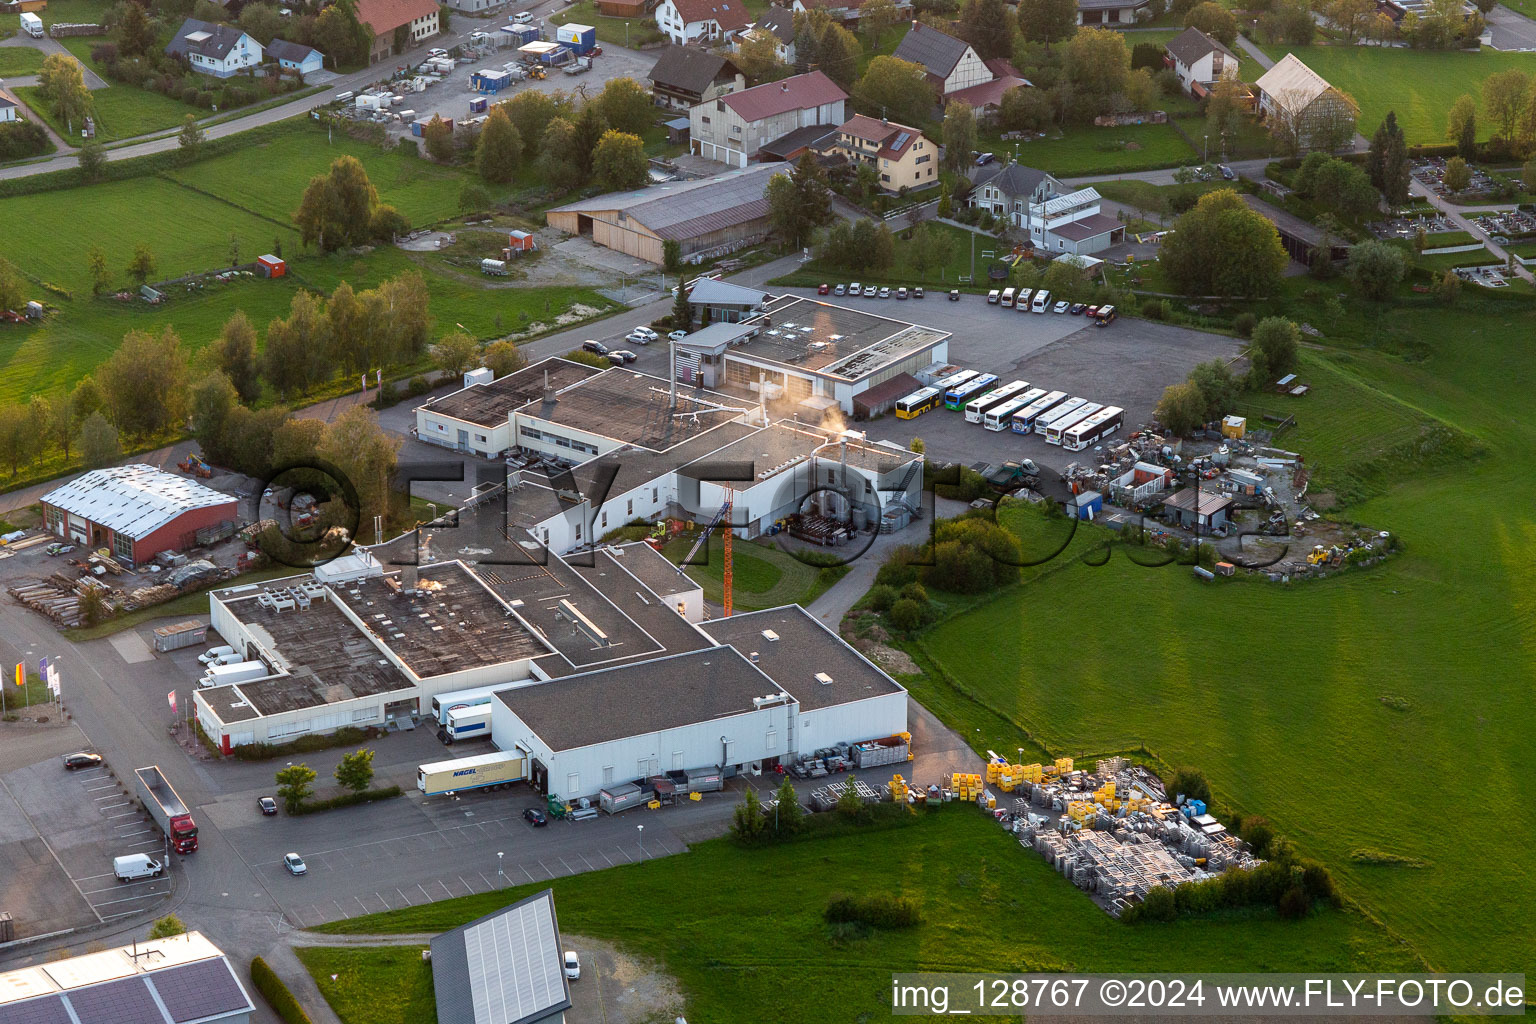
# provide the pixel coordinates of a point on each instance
(486, 771)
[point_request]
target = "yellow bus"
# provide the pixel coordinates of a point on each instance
(918, 402)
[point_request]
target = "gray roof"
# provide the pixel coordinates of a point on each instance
(781, 22)
(1101, 5)
(134, 500)
(935, 51)
(1012, 179)
(804, 647)
(632, 700)
(503, 968)
(1192, 44)
(199, 990)
(690, 69)
(221, 39)
(489, 404)
(5, 103)
(712, 292)
(282, 49)
(682, 210)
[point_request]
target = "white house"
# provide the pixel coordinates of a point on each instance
(212, 49)
(1198, 60)
(1009, 190)
(7, 110)
(733, 128)
(687, 21)
(1036, 203)
(777, 25)
(952, 64)
(1110, 12)
(295, 57)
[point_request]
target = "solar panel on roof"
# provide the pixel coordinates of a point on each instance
(117, 1002)
(45, 1010)
(197, 990)
(901, 139)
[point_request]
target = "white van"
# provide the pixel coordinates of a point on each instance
(213, 654)
(1008, 297)
(136, 866)
(1042, 303)
(1022, 299)
(31, 24)
(993, 296)
(524, 18)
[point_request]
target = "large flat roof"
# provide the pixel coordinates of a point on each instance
(663, 693)
(636, 465)
(634, 408)
(489, 404)
(776, 447)
(680, 211)
(834, 341)
(804, 648)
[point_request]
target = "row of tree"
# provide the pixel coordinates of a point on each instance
(1509, 108)
(1211, 391)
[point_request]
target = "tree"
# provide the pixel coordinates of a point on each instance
(1181, 408)
(682, 313)
(1504, 97)
(235, 353)
(798, 202)
(1225, 110)
(456, 353)
(96, 264)
(337, 207)
(619, 161)
(1394, 170)
(1457, 174)
(339, 34)
(1097, 62)
(1355, 18)
(191, 138)
(838, 52)
(1216, 21)
(1214, 383)
(1461, 126)
(61, 422)
(355, 770)
(366, 454)
(170, 924)
(1221, 247)
(135, 35)
(298, 353)
(98, 442)
(86, 398)
(212, 402)
(626, 105)
(530, 112)
(788, 815)
(16, 436)
(875, 17)
(959, 133)
(849, 803)
(1376, 268)
(438, 138)
(503, 357)
(13, 287)
(145, 382)
(591, 126)
(747, 820)
(92, 158)
(946, 207)
(1050, 21)
(1141, 90)
(557, 154)
(987, 25)
(757, 55)
(1448, 288)
(61, 81)
(672, 255)
(896, 89)
(1528, 174)
(295, 784)
(1290, 22)
(473, 198)
(500, 148)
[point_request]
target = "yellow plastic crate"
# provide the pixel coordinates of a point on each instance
(1063, 765)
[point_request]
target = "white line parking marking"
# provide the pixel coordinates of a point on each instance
(360, 903)
(382, 900)
(526, 872)
(130, 835)
(424, 892)
(145, 842)
(603, 855)
(129, 899)
(467, 887)
(587, 863)
(404, 897)
(487, 881)
(125, 814)
(343, 912)
(121, 886)
(568, 868)
(548, 872)
(627, 859)
(445, 888)
(114, 796)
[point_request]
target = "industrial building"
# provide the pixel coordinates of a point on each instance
(477, 419)
(184, 979)
(725, 212)
(503, 968)
(137, 511)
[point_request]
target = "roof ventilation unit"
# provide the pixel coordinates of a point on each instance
(823, 679)
(770, 635)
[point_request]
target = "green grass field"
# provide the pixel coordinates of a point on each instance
(20, 60)
(762, 576)
(1420, 85)
(382, 985)
(1091, 150)
(1276, 692)
(986, 904)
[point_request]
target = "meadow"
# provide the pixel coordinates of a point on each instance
(1420, 85)
(986, 904)
(1081, 150)
(20, 60)
(1333, 708)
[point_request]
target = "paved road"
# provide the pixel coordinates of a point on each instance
(1458, 216)
(1510, 30)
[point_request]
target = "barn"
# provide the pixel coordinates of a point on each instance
(137, 511)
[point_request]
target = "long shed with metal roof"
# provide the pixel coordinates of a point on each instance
(137, 511)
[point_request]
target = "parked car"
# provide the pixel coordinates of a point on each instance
(572, 966)
(1093, 310)
(824, 289)
(853, 289)
(954, 295)
(437, 51)
(841, 289)
(901, 293)
(58, 549)
(994, 297)
(597, 348)
(134, 867)
(81, 759)
(1077, 309)
(1062, 306)
(983, 159)
(294, 863)
(267, 806)
(1227, 172)
(677, 335)
(535, 817)
(213, 654)
(885, 293)
(917, 292)
(620, 356)
(645, 332)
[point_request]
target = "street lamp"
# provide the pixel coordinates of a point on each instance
(1207, 140)
(641, 830)
(501, 879)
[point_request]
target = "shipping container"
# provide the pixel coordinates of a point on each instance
(580, 38)
(705, 780)
(243, 672)
(455, 699)
(614, 799)
(480, 772)
(183, 634)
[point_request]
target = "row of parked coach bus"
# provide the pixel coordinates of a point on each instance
(1071, 422)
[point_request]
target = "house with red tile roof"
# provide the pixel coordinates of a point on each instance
(417, 20)
(693, 21)
(733, 128)
(903, 156)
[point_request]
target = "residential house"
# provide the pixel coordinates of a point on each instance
(687, 21)
(213, 49)
(1109, 12)
(902, 155)
(415, 20)
(845, 11)
(1307, 107)
(952, 64)
(7, 110)
(732, 128)
(1054, 220)
(685, 76)
(779, 26)
(295, 57)
(987, 98)
(1198, 60)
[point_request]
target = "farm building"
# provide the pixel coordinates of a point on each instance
(521, 241)
(503, 968)
(417, 19)
(271, 266)
(1300, 237)
(137, 511)
(176, 980)
(734, 127)
(713, 213)
(951, 64)
(1302, 107)
(213, 49)
(1199, 510)
(295, 56)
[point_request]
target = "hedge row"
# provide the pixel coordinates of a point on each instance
(276, 993)
(348, 800)
(346, 736)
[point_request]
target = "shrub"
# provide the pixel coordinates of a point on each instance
(1159, 905)
(1258, 834)
(915, 591)
(367, 796)
(900, 567)
(876, 910)
(276, 993)
(1294, 905)
(881, 596)
(1152, 309)
(1190, 782)
(166, 927)
(20, 139)
(820, 559)
(418, 386)
(347, 736)
(906, 615)
(747, 821)
(1244, 323)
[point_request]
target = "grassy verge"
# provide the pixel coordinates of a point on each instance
(1091, 150)
(380, 985)
(20, 60)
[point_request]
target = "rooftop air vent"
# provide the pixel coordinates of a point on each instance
(823, 679)
(770, 635)
(754, 657)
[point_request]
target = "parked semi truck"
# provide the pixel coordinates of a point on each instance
(482, 772)
(469, 723)
(173, 817)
